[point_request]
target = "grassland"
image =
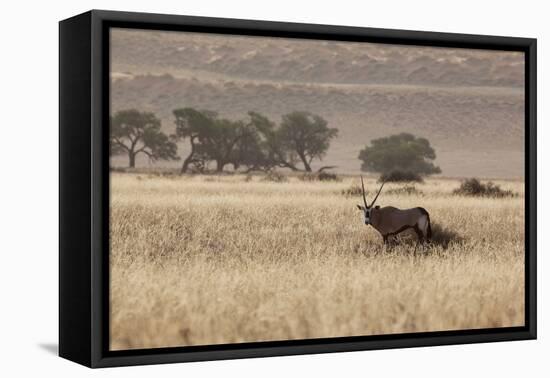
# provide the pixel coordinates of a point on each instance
(227, 259)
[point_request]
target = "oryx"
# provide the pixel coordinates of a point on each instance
(390, 221)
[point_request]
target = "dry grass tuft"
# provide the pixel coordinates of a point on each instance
(319, 176)
(474, 187)
(274, 176)
(407, 190)
(352, 191)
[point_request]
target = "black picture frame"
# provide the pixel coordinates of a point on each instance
(84, 188)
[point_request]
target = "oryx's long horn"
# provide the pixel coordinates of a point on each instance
(364, 198)
(377, 194)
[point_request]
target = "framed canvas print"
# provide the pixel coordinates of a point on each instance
(234, 188)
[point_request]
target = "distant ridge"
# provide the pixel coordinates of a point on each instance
(468, 103)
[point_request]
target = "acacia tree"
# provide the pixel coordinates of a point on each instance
(193, 125)
(134, 132)
(303, 137)
(253, 148)
(249, 152)
(275, 153)
(219, 141)
(256, 143)
(403, 153)
(210, 137)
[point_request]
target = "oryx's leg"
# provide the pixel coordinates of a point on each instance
(385, 238)
(419, 233)
(422, 227)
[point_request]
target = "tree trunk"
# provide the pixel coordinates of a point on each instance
(219, 166)
(189, 158)
(186, 163)
(132, 157)
(302, 156)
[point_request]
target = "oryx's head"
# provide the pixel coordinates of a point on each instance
(367, 210)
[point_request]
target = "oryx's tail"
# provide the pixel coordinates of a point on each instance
(429, 227)
(429, 233)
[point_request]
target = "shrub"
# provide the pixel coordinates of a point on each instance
(473, 187)
(400, 176)
(354, 190)
(308, 177)
(407, 190)
(327, 176)
(274, 176)
(321, 176)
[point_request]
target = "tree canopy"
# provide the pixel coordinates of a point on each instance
(306, 136)
(219, 143)
(252, 149)
(134, 132)
(399, 153)
(256, 143)
(193, 125)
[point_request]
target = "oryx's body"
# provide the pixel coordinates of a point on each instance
(390, 221)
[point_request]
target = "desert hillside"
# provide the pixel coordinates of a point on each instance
(468, 103)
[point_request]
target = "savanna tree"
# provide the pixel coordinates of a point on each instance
(193, 124)
(213, 138)
(134, 132)
(253, 148)
(302, 137)
(219, 142)
(256, 143)
(399, 155)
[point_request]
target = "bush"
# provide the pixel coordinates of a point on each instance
(407, 190)
(274, 176)
(473, 187)
(327, 176)
(308, 177)
(400, 176)
(321, 176)
(354, 190)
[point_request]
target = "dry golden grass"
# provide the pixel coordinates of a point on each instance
(216, 259)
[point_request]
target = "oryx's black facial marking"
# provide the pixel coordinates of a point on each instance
(366, 212)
